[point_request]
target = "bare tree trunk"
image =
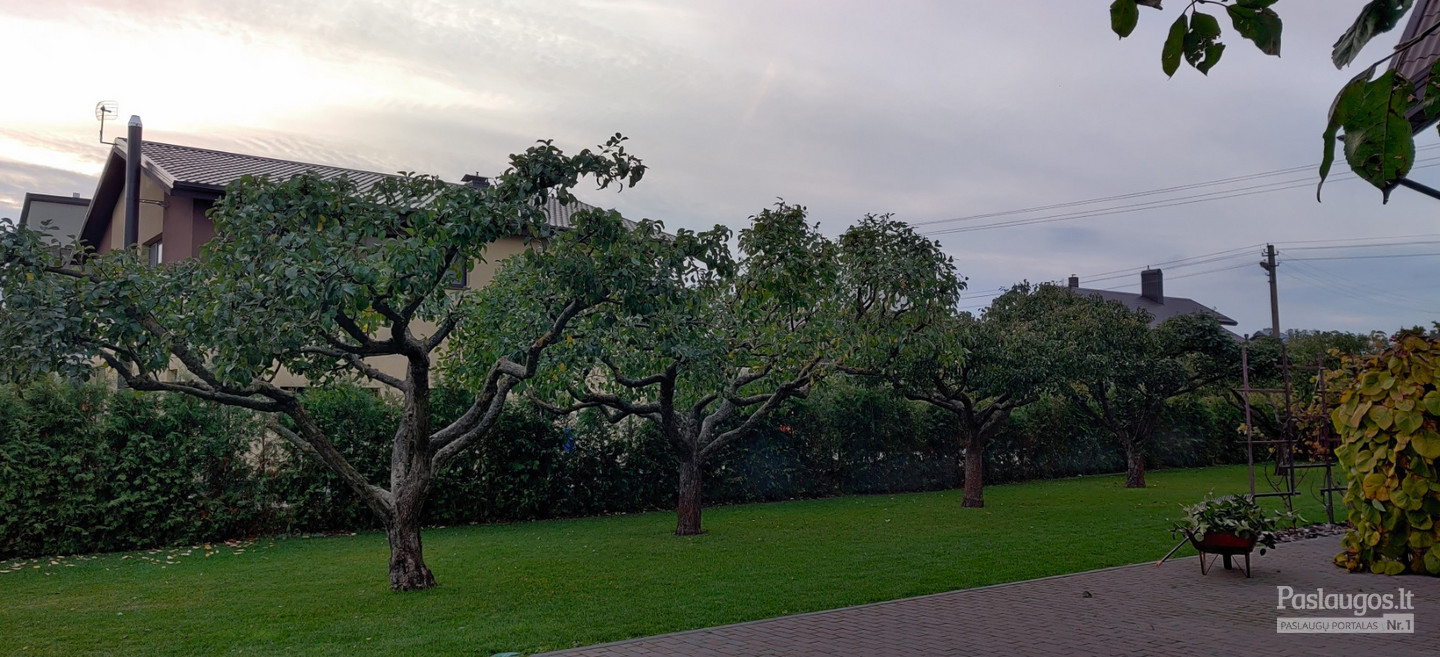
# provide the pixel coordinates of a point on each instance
(407, 564)
(974, 474)
(688, 511)
(1134, 464)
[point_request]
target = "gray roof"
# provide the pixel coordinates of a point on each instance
(1415, 62)
(1172, 307)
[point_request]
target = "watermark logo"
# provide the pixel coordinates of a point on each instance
(1370, 613)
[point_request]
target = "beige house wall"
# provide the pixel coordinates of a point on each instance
(152, 216)
(480, 275)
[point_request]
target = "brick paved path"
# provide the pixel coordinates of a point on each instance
(1131, 610)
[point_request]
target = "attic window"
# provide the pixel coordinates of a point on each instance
(458, 275)
(155, 250)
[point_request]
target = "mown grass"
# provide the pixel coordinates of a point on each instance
(548, 585)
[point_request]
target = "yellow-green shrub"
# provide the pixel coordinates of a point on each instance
(1388, 420)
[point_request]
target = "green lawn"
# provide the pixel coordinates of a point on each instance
(549, 585)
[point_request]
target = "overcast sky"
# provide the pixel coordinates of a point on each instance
(933, 111)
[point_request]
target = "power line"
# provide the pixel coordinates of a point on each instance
(1356, 239)
(1226, 253)
(1242, 251)
(1245, 251)
(1336, 285)
(1364, 293)
(1365, 246)
(1136, 207)
(1368, 257)
(1152, 192)
(1210, 271)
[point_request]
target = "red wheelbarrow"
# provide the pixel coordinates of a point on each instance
(1226, 545)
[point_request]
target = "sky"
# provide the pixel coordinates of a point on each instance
(953, 115)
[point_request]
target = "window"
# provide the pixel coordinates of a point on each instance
(156, 251)
(458, 275)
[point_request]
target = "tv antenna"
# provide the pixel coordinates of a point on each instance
(106, 109)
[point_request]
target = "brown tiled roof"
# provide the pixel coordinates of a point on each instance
(1415, 62)
(1159, 312)
(199, 168)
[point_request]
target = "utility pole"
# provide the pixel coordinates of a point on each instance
(1285, 455)
(1269, 266)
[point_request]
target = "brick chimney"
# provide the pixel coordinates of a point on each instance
(1152, 285)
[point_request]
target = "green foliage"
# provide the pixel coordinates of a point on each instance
(1388, 420)
(361, 424)
(1198, 429)
(1195, 35)
(1232, 514)
(1201, 45)
(1379, 144)
(1124, 15)
(320, 277)
(1051, 438)
(1256, 21)
(1376, 17)
(1124, 371)
(85, 470)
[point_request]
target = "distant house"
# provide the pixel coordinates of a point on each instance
(64, 213)
(1152, 299)
(179, 184)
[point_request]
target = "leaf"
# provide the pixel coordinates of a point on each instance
(1376, 17)
(1415, 487)
(1426, 444)
(1212, 57)
(1201, 48)
(1432, 402)
(1372, 484)
(1345, 102)
(1359, 414)
(1408, 422)
(1174, 46)
(1370, 383)
(1124, 15)
(1204, 26)
(1382, 416)
(1379, 143)
(1258, 24)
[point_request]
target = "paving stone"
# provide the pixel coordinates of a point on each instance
(1138, 610)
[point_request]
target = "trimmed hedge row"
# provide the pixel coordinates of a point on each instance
(84, 469)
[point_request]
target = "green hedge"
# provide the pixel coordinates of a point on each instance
(83, 469)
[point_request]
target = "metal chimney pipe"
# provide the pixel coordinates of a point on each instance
(132, 182)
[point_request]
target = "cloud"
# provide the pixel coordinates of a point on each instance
(18, 178)
(933, 111)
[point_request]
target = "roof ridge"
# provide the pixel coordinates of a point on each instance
(254, 157)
